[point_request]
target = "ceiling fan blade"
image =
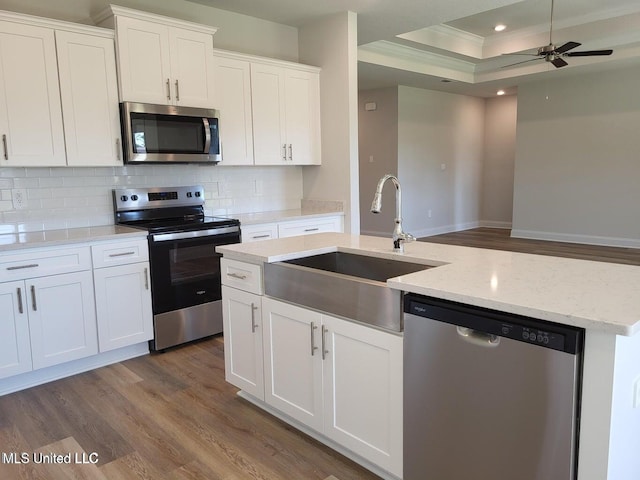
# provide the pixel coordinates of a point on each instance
(518, 63)
(589, 53)
(567, 46)
(558, 62)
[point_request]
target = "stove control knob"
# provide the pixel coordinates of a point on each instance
(189, 195)
(134, 197)
(197, 194)
(124, 198)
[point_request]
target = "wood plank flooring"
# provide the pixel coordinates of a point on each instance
(500, 239)
(165, 416)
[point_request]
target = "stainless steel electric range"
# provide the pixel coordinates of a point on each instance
(185, 268)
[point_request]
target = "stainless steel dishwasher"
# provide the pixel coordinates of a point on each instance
(488, 395)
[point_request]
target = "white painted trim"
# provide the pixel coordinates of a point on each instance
(576, 238)
(56, 372)
(495, 224)
(265, 61)
(318, 436)
(115, 10)
(427, 232)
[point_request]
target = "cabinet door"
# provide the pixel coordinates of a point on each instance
(363, 391)
(143, 56)
(242, 326)
(267, 97)
(30, 113)
(123, 305)
(293, 361)
(62, 319)
(191, 55)
(89, 91)
(15, 347)
(232, 86)
(302, 117)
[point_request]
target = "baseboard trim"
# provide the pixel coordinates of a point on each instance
(495, 224)
(458, 227)
(56, 372)
(573, 238)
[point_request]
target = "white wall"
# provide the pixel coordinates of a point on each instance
(439, 130)
(331, 43)
(499, 159)
(577, 167)
(378, 138)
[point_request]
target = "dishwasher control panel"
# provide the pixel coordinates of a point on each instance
(532, 335)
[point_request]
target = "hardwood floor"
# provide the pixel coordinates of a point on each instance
(165, 416)
(499, 239)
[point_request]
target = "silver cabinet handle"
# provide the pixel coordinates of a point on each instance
(20, 267)
(314, 327)
(4, 145)
(34, 305)
(291, 152)
(253, 318)
(324, 350)
(123, 254)
(311, 229)
(237, 275)
(261, 236)
(118, 149)
(284, 152)
(146, 278)
(20, 309)
(168, 90)
(177, 91)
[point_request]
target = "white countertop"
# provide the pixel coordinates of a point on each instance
(283, 215)
(49, 238)
(583, 293)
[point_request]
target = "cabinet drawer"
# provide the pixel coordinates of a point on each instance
(254, 233)
(306, 227)
(120, 253)
(41, 263)
(240, 275)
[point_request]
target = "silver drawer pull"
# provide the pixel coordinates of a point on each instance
(290, 152)
(20, 267)
(314, 327)
(146, 278)
(20, 308)
(4, 145)
(237, 275)
(123, 254)
(311, 229)
(324, 350)
(33, 299)
(168, 90)
(253, 318)
(118, 149)
(261, 236)
(177, 91)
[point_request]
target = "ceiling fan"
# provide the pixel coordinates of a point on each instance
(551, 53)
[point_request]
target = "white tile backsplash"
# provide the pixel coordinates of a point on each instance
(81, 197)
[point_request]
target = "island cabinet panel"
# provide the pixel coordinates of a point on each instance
(362, 384)
(242, 326)
(293, 361)
(15, 345)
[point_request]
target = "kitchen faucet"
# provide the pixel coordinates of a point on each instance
(399, 237)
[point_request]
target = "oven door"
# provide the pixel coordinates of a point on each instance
(185, 268)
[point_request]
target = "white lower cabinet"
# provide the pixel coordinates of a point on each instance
(242, 326)
(123, 305)
(62, 320)
(15, 345)
(340, 378)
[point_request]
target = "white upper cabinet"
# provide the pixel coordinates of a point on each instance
(89, 92)
(232, 86)
(162, 63)
(286, 115)
(31, 129)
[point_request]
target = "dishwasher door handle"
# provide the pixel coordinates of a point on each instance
(478, 338)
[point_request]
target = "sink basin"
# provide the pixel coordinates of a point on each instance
(345, 284)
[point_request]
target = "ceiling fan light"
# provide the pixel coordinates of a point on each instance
(500, 27)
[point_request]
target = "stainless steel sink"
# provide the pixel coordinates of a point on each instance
(345, 284)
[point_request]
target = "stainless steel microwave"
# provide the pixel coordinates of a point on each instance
(169, 134)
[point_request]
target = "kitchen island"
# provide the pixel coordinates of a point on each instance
(602, 298)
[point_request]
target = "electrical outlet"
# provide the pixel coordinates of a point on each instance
(19, 197)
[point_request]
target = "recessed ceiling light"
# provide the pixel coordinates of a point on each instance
(500, 27)
(500, 92)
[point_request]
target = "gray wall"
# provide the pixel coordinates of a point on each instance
(499, 159)
(378, 155)
(577, 165)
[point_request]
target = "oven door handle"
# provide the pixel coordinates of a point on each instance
(164, 237)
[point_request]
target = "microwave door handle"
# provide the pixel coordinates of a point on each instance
(207, 135)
